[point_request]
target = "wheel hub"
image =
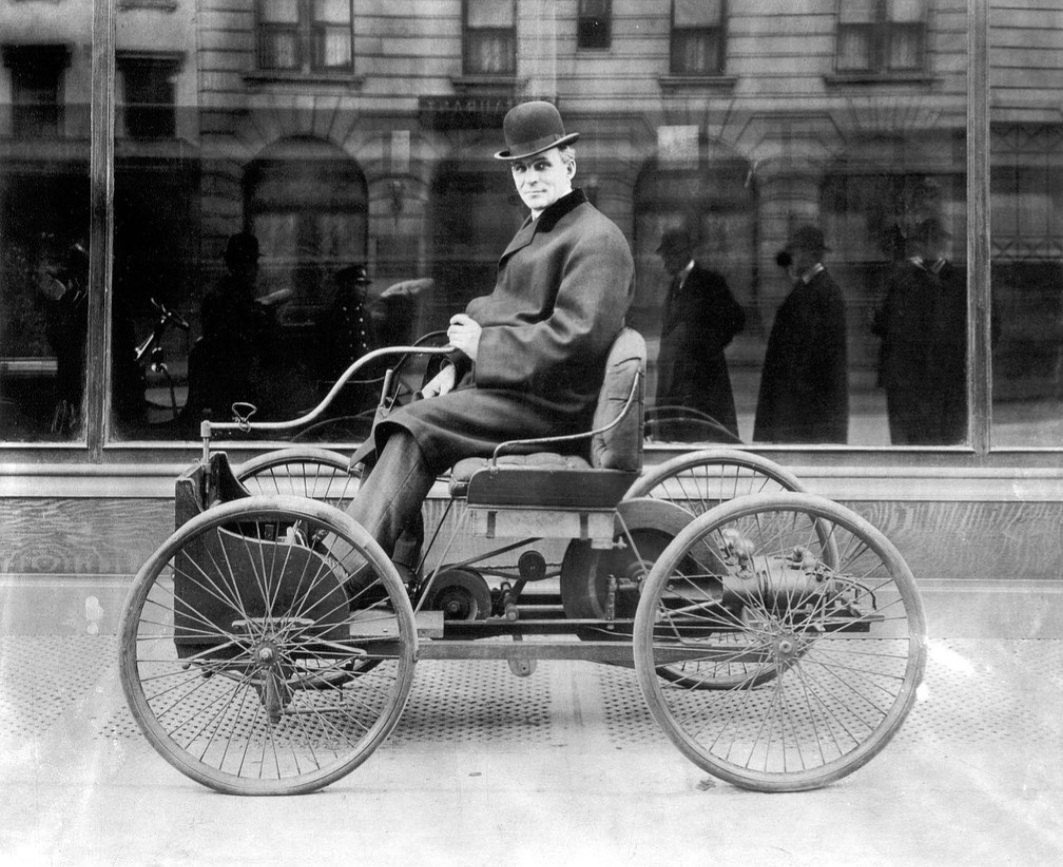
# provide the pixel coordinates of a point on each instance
(788, 647)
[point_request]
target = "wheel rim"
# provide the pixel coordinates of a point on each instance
(831, 641)
(314, 473)
(699, 481)
(246, 661)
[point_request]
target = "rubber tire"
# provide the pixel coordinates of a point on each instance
(301, 471)
(699, 721)
(160, 685)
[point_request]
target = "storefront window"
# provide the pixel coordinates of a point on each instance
(811, 163)
(44, 235)
(1026, 195)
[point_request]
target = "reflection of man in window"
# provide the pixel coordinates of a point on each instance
(357, 321)
(64, 283)
(923, 326)
(235, 332)
(700, 318)
(804, 390)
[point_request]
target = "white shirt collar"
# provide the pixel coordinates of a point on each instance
(806, 278)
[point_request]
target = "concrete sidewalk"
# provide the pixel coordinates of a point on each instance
(565, 766)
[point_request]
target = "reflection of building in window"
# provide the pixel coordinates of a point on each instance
(711, 198)
(307, 205)
(490, 37)
(305, 35)
(474, 213)
(880, 36)
(698, 36)
(1027, 247)
(871, 201)
(594, 28)
(148, 107)
(36, 81)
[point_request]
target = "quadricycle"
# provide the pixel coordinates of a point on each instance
(269, 645)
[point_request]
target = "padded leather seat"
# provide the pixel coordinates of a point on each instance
(551, 479)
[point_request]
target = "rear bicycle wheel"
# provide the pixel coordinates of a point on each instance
(822, 613)
(696, 482)
(302, 471)
(699, 481)
(252, 661)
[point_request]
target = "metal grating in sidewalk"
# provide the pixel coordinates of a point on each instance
(43, 677)
(976, 692)
(475, 701)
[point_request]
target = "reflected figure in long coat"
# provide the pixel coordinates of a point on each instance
(700, 318)
(804, 386)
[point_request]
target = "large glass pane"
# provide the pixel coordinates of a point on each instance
(44, 225)
(272, 222)
(1026, 208)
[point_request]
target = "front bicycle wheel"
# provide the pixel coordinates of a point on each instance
(267, 647)
(819, 615)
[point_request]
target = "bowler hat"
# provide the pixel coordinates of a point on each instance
(531, 128)
(241, 247)
(678, 240)
(807, 238)
(930, 231)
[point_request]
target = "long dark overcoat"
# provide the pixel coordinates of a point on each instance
(923, 326)
(563, 289)
(699, 322)
(804, 387)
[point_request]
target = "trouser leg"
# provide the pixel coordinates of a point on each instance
(388, 503)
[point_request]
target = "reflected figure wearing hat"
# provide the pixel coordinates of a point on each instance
(804, 385)
(528, 357)
(700, 319)
(356, 321)
(237, 332)
(923, 325)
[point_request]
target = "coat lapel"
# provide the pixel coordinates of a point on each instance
(546, 222)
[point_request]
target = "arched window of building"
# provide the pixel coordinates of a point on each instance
(307, 203)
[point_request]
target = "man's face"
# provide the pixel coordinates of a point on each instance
(542, 179)
(675, 259)
(803, 259)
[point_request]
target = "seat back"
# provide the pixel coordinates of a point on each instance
(620, 447)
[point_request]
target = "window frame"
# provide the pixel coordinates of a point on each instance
(34, 118)
(306, 31)
(146, 120)
(594, 32)
(882, 33)
(467, 66)
(675, 67)
(978, 457)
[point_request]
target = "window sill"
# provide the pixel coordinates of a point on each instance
(508, 84)
(697, 82)
(843, 79)
(337, 79)
(160, 5)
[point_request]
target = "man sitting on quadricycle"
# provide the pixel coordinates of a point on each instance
(528, 359)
